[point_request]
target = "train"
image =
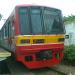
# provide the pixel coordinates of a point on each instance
(34, 35)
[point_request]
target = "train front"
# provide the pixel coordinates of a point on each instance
(40, 41)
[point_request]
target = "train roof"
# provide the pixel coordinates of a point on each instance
(30, 5)
(22, 5)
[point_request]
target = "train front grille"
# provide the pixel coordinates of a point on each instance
(44, 55)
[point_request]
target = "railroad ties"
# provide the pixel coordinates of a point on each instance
(19, 69)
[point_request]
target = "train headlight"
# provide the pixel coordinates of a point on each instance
(36, 41)
(25, 41)
(61, 40)
(44, 55)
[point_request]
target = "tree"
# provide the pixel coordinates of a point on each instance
(70, 18)
(0, 16)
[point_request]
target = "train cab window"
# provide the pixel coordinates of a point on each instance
(52, 21)
(48, 21)
(24, 21)
(36, 21)
(57, 26)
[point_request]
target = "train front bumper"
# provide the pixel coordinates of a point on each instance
(28, 55)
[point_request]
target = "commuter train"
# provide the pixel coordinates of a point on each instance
(34, 35)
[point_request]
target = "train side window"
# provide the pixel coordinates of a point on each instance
(12, 28)
(5, 31)
(9, 29)
(1, 36)
(2, 33)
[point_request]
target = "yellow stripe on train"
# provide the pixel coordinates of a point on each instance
(38, 39)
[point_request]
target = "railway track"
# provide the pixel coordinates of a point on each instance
(16, 68)
(57, 71)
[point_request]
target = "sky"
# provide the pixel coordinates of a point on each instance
(7, 6)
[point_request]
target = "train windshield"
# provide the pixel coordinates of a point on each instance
(52, 22)
(24, 21)
(38, 20)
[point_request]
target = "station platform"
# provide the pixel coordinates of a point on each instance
(4, 54)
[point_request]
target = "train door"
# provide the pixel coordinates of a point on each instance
(11, 34)
(13, 44)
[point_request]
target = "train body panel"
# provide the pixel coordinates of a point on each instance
(39, 39)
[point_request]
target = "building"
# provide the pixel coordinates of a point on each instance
(70, 33)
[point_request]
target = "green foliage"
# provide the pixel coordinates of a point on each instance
(69, 19)
(69, 53)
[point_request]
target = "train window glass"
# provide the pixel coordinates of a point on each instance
(57, 26)
(36, 21)
(24, 21)
(5, 31)
(50, 11)
(9, 29)
(12, 29)
(52, 22)
(48, 22)
(2, 33)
